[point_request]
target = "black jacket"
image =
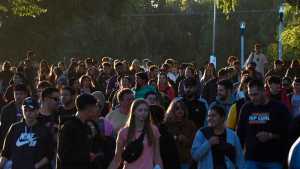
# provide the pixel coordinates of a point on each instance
(74, 145)
(168, 149)
(8, 116)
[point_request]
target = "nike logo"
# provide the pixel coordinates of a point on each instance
(20, 142)
(26, 138)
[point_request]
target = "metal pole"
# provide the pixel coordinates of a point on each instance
(242, 51)
(242, 31)
(214, 29)
(280, 30)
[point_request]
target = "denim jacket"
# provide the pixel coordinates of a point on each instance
(202, 153)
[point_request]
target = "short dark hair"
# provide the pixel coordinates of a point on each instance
(70, 89)
(44, 84)
(150, 93)
(21, 87)
(226, 83)
(256, 83)
(219, 110)
(274, 79)
(84, 100)
(222, 72)
(142, 75)
(122, 93)
(48, 91)
(190, 82)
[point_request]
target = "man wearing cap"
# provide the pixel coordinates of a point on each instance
(141, 87)
(11, 112)
(28, 143)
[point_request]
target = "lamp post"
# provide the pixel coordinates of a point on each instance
(280, 30)
(242, 31)
(213, 58)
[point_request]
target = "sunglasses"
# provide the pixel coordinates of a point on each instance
(55, 99)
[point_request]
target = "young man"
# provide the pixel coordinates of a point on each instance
(119, 116)
(74, 145)
(49, 105)
(28, 143)
(275, 91)
(141, 86)
(197, 109)
(262, 129)
(12, 113)
(258, 58)
(224, 95)
(68, 108)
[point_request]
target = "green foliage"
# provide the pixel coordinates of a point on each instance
(27, 8)
(23, 7)
(227, 6)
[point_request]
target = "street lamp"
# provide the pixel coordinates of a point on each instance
(242, 31)
(280, 30)
(213, 58)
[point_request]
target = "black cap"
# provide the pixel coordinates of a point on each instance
(31, 103)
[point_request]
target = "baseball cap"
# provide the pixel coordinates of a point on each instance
(31, 103)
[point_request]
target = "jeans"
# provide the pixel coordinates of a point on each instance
(263, 165)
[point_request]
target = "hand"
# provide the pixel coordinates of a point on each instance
(214, 140)
(92, 156)
(264, 136)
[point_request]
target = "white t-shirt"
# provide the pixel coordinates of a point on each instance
(260, 60)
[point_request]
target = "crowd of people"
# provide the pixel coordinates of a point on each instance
(110, 114)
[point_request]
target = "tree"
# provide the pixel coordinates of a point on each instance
(23, 7)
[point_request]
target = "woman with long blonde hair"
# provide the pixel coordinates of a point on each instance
(139, 122)
(183, 130)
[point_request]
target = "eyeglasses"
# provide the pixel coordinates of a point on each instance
(55, 99)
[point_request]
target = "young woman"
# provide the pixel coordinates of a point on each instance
(86, 84)
(165, 87)
(139, 122)
(215, 146)
(183, 130)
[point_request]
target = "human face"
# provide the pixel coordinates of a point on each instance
(162, 79)
(92, 112)
(189, 90)
(296, 87)
(20, 96)
(53, 101)
(125, 83)
(139, 82)
(222, 92)
(141, 112)
(66, 97)
(86, 82)
(127, 100)
(18, 80)
(188, 73)
(178, 111)
(256, 96)
(151, 99)
(214, 119)
(30, 115)
(275, 88)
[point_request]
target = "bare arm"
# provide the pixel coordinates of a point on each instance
(41, 163)
(157, 157)
(117, 160)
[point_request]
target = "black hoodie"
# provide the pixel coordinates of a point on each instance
(26, 146)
